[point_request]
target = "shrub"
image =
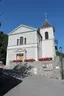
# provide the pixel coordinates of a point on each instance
(29, 60)
(45, 59)
(17, 61)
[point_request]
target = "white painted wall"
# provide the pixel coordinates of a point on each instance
(48, 49)
(34, 47)
(31, 38)
(31, 52)
(32, 41)
(39, 44)
(49, 30)
(10, 56)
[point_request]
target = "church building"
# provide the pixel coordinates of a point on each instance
(26, 42)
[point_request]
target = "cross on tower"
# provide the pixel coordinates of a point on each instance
(46, 18)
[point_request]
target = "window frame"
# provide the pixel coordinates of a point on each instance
(46, 35)
(24, 40)
(17, 41)
(21, 40)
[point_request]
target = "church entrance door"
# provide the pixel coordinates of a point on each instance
(20, 57)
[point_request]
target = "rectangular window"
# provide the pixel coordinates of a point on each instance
(25, 40)
(17, 41)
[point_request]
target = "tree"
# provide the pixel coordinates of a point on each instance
(3, 46)
(59, 54)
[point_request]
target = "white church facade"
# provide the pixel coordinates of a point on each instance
(26, 42)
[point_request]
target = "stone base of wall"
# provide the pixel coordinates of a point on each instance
(44, 68)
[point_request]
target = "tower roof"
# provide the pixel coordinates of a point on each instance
(46, 24)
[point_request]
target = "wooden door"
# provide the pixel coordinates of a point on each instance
(20, 56)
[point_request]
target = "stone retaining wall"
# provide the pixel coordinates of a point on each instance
(47, 68)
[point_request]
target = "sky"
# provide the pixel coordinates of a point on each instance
(32, 13)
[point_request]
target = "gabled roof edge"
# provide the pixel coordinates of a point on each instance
(22, 26)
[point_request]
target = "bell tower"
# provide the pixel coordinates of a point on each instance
(48, 46)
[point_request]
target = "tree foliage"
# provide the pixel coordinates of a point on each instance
(59, 54)
(3, 46)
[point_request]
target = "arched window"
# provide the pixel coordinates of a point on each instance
(21, 40)
(46, 35)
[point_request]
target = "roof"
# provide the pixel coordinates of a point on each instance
(38, 86)
(25, 26)
(46, 24)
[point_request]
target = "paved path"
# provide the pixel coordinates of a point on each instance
(38, 86)
(7, 83)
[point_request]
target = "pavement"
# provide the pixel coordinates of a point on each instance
(7, 83)
(38, 86)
